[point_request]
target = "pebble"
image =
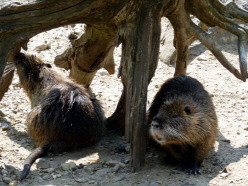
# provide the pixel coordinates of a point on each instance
(11, 169)
(54, 177)
(112, 163)
(13, 183)
(154, 184)
(4, 171)
(126, 161)
(3, 183)
(49, 170)
(5, 126)
(122, 165)
(102, 72)
(81, 180)
(88, 170)
(91, 182)
(6, 180)
(127, 148)
(41, 163)
(68, 166)
(116, 168)
(42, 46)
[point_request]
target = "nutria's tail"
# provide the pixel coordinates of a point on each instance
(53, 147)
(37, 153)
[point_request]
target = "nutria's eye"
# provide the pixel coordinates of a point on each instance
(187, 110)
(48, 65)
(36, 75)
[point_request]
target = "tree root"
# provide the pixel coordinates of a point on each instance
(212, 13)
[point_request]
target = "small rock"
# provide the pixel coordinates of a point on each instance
(41, 163)
(6, 180)
(11, 169)
(65, 167)
(126, 161)
(49, 170)
(42, 46)
(68, 166)
(159, 182)
(116, 179)
(102, 72)
(58, 175)
(88, 170)
(127, 148)
(112, 163)
(122, 165)
(91, 182)
(116, 168)
(5, 126)
(244, 156)
(4, 171)
(3, 183)
(154, 184)
(46, 177)
(80, 166)
(13, 183)
(81, 180)
(54, 177)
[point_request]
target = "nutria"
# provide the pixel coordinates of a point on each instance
(64, 115)
(182, 120)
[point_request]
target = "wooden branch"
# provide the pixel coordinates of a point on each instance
(90, 52)
(209, 43)
(19, 22)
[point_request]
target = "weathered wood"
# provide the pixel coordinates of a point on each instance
(38, 16)
(140, 47)
(5, 83)
(90, 52)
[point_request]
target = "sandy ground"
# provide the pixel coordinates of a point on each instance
(229, 95)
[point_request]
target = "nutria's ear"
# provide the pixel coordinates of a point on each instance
(187, 109)
(48, 65)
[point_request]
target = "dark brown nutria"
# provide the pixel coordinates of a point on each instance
(64, 115)
(182, 119)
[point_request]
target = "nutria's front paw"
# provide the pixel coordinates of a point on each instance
(188, 168)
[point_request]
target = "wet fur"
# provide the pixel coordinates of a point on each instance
(184, 121)
(64, 115)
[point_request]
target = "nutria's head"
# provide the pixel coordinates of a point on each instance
(175, 122)
(30, 70)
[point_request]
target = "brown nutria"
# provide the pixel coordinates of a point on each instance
(64, 115)
(182, 119)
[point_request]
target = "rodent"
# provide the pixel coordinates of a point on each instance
(64, 115)
(182, 119)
